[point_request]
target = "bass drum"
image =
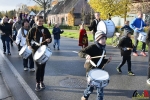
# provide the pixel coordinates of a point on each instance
(107, 26)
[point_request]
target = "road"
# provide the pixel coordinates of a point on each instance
(65, 75)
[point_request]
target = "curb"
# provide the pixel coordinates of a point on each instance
(7, 88)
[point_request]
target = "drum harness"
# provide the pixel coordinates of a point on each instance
(34, 42)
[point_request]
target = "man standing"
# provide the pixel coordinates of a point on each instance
(137, 25)
(93, 26)
(16, 26)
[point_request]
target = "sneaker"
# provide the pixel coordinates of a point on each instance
(9, 53)
(83, 98)
(25, 69)
(118, 70)
(58, 49)
(32, 70)
(135, 54)
(148, 81)
(54, 46)
(37, 88)
(130, 73)
(42, 86)
(4, 52)
(143, 54)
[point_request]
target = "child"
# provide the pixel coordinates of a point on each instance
(148, 43)
(83, 39)
(56, 32)
(38, 36)
(126, 27)
(126, 47)
(96, 49)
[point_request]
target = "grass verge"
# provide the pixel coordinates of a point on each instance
(75, 35)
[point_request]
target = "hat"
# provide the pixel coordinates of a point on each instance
(99, 34)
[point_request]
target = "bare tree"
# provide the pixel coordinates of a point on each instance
(44, 4)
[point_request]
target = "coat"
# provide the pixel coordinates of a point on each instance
(92, 50)
(56, 32)
(124, 43)
(83, 35)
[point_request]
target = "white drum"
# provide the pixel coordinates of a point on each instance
(98, 78)
(142, 37)
(25, 52)
(107, 26)
(42, 54)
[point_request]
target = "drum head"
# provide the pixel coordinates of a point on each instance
(39, 52)
(22, 50)
(98, 74)
(107, 26)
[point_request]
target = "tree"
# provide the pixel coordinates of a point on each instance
(44, 4)
(109, 8)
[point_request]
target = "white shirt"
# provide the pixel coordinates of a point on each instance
(20, 39)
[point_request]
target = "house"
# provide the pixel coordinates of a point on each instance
(134, 8)
(70, 12)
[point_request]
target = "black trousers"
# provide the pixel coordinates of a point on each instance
(124, 59)
(40, 71)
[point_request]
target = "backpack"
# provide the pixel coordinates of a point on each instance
(85, 39)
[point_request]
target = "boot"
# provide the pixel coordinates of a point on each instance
(83, 98)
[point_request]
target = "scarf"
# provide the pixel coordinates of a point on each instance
(100, 46)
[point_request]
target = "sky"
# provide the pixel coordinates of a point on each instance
(6, 5)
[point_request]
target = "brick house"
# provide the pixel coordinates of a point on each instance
(70, 12)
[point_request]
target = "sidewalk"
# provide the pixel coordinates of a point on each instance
(5, 93)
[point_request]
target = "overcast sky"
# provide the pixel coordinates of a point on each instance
(12, 4)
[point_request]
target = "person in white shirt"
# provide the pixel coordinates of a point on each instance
(21, 38)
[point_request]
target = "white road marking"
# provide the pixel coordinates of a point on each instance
(75, 51)
(29, 91)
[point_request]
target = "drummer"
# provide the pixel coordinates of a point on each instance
(21, 40)
(95, 49)
(138, 26)
(41, 35)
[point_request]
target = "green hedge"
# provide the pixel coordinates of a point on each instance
(117, 29)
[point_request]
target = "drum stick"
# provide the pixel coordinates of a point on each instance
(98, 56)
(12, 40)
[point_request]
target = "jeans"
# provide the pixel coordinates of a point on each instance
(124, 59)
(136, 34)
(5, 41)
(57, 41)
(90, 89)
(31, 62)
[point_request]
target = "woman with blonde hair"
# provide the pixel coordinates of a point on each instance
(6, 29)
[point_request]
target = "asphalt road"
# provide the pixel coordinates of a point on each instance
(65, 75)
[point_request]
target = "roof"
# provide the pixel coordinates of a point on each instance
(64, 6)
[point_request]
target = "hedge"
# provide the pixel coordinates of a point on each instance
(117, 29)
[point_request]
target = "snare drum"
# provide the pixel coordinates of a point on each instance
(25, 52)
(108, 27)
(142, 37)
(42, 55)
(98, 78)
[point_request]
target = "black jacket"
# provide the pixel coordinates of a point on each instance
(56, 32)
(35, 34)
(92, 50)
(93, 26)
(6, 28)
(32, 22)
(124, 43)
